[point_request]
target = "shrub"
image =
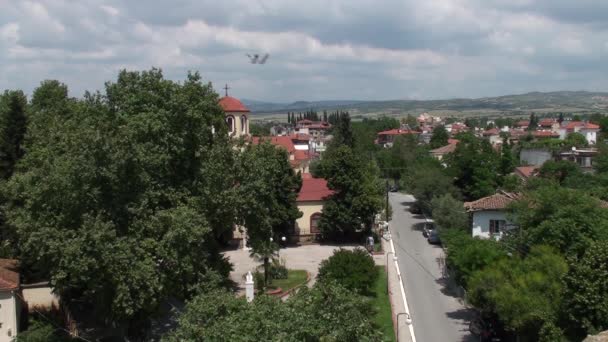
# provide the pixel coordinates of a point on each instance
(277, 269)
(354, 270)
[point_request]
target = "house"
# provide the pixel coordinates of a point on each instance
(310, 202)
(489, 215)
(237, 116)
(534, 156)
(587, 129)
(549, 124)
(440, 152)
(387, 138)
(526, 172)
(316, 129)
(493, 135)
(299, 159)
(522, 124)
(9, 299)
(582, 157)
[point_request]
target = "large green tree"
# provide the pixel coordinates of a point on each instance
(449, 213)
(122, 197)
(326, 312)
(357, 194)
(440, 137)
(13, 125)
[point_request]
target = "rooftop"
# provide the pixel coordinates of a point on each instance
(498, 201)
(313, 189)
(9, 274)
(232, 105)
(398, 131)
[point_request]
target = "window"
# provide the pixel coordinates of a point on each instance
(244, 124)
(314, 223)
(497, 226)
(230, 122)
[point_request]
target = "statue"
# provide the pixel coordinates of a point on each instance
(249, 287)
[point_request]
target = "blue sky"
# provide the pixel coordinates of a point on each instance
(319, 49)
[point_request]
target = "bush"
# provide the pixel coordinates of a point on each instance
(277, 269)
(354, 270)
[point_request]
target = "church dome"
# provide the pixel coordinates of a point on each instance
(231, 104)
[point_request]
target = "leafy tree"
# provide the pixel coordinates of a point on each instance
(533, 125)
(525, 293)
(326, 312)
(566, 219)
(353, 269)
(600, 163)
(560, 170)
(122, 198)
(507, 159)
(410, 121)
(467, 255)
(357, 194)
(576, 140)
(586, 297)
(267, 198)
(427, 181)
(13, 122)
(449, 213)
(343, 132)
(259, 129)
(440, 137)
(475, 167)
(42, 331)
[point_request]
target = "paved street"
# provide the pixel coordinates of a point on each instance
(437, 314)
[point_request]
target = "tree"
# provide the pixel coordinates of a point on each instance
(355, 270)
(565, 219)
(326, 312)
(575, 140)
(586, 295)
(427, 181)
(507, 160)
(533, 125)
(122, 198)
(559, 170)
(13, 122)
(267, 198)
(600, 163)
(357, 194)
(525, 293)
(449, 213)
(343, 132)
(440, 137)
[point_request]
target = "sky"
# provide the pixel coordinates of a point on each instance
(319, 49)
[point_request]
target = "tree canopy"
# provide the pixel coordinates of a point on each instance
(440, 137)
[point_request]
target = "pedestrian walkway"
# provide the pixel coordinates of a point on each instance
(400, 317)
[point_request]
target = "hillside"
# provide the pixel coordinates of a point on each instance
(552, 101)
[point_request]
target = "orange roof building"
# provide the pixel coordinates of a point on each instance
(237, 115)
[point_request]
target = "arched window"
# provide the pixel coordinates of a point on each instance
(244, 124)
(230, 122)
(314, 223)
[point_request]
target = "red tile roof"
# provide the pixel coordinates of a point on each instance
(498, 201)
(453, 141)
(283, 141)
(300, 136)
(449, 148)
(398, 131)
(526, 171)
(545, 134)
(491, 131)
(523, 123)
(301, 155)
(585, 125)
(231, 104)
(547, 122)
(9, 274)
(313, 189)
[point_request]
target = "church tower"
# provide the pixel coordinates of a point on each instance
(237, 115)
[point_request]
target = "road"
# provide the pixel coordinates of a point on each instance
(437, 314)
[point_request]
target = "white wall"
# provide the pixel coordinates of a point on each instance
(8, 316)
(481, 222)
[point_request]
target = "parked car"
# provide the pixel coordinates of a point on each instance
(433, 237)
(429, 226)
(394, 188)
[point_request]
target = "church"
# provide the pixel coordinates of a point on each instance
(314, 191)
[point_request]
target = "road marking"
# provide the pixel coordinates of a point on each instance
(407, 308)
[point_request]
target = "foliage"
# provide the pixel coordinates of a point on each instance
(260, 129)
(382, 305)
(449, 213)
(559, 170)
(586, 297)
(426, 181)
(278, 270)
(325, 313)
(122, 196)
(343, 132)
(507, 159)
(526, 293)
(353, 269)
(566, 219)
(575, 140)
(440, 137)
(475, 166)
(600, 163)
(357, 197)
(42, 331)
(398, 160)
(365, 132)
(467, 255)
(13, 122)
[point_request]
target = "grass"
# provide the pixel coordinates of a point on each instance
(294, 278)
(382, 304)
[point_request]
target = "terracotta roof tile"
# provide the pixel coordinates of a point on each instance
(313, 189)
(283, 141)
(231, 104)
(444, 149)
(526, 171)
(9, 274)
(498, 201)
(398, 131)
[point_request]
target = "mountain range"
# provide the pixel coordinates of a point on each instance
(572, 101)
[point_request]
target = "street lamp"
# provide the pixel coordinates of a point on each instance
(408, 321)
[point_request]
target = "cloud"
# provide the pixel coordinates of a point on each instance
(320, 49)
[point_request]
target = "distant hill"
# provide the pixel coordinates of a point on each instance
(551, 101)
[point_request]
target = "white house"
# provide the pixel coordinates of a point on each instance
(9, 302)
(489, 215)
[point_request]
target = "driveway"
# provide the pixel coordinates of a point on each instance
(437, 314)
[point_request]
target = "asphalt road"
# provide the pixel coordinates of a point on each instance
(437, 314)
